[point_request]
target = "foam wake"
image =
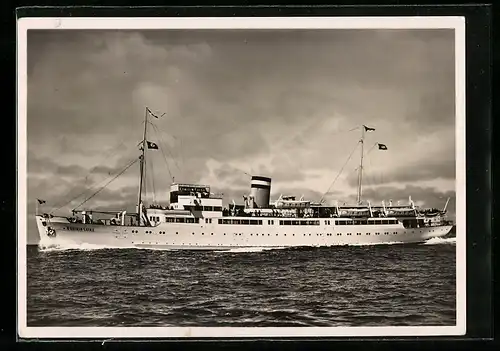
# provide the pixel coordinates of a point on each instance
(438, 241)
(81, 247)
(373, 244)
(251, 249)
(59, 244)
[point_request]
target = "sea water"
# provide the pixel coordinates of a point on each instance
(371, 285)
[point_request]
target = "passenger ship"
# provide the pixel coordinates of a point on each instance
(196, 219)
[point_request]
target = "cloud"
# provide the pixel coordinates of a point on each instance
(431, 169)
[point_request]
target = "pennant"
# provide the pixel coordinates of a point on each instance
(152, 145)
(41, 201)
(151, 113)
(382, 147)
(368, 129)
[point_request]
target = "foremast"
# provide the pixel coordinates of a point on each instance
(142, 159)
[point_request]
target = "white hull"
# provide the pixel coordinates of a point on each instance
(196, 236)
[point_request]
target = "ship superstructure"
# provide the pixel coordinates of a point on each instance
(195, 218)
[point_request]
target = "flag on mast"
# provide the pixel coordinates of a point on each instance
(382, 147)
(40, 201)
(152, 145)
(368, 129)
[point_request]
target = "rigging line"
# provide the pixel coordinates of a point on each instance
(339, 173)
(80, 194)
(153, 182)
(365, 156)
(304, 131)
(286, 142)
(145, 175)
(77, 196)
(330, 134)
(237, 126)
(370, 178)
(371, 149)
(110, 153)
(98, 191)
(158, 132)
(248, 174)
(166, 162)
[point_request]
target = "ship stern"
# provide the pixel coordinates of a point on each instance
(442, 231)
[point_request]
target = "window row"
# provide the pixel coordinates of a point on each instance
(203, 208)
(79, 229)
(182, 220)
(366, 222)
(257, 234)
(301, 222)
(241, 221)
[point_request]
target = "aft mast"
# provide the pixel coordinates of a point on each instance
(360, 173)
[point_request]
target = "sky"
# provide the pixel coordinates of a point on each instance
(288, 104)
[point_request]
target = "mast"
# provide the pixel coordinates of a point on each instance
(360, 174)
(142, 158)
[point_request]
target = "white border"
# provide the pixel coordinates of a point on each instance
(458, 23)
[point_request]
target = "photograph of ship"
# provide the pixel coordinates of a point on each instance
(241, 178)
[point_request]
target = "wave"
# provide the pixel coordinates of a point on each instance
(438, 241)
